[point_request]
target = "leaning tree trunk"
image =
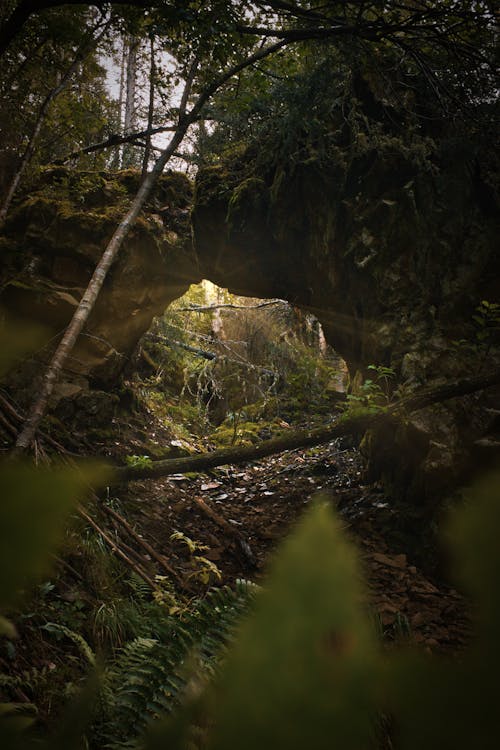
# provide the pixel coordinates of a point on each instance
(89, 298)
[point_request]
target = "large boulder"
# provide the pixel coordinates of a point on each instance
(51, 244)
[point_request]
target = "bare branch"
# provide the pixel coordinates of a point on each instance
(209, 308)
(114, 140)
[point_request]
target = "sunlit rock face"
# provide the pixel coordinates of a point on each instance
(392, 247)
(52, 243)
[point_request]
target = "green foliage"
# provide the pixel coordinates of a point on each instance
(149, 676)
(264, 362)
(138, 461)
(34, 65)
(34, 512)
(486, 333)
(235, 430)
(36, 504)
(305, 669)
(192, 545)
(487, 321)
(204, 570)
(308, 384)
(116, 621)
(450, 705)
(372, 395)
(82, 645)
(300, 674)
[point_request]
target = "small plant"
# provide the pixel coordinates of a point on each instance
(205, 570)
(138, 462)
(61, 631)
(383, 376)
(373, 395)
(486, 321)
(165, 596)
(192, 545)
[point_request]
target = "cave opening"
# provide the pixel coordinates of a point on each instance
(240, 365)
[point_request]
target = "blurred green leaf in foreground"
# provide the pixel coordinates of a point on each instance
(305, 671)
(303, 665)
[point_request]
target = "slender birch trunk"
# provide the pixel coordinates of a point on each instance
(81, 315)
(117, 156)
(130, 91)
(151, 106)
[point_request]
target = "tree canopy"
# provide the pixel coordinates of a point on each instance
(445, 52)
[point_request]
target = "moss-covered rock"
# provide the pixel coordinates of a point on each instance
(55, 236)
(390, 238)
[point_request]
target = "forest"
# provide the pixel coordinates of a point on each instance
(249, 375)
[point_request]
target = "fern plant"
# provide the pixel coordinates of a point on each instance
(149, 675)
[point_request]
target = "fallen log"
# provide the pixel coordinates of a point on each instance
(354, 425)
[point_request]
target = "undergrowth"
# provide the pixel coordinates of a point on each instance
(151, 676)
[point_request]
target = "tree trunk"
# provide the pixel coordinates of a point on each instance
(151, 106)
(89, 298)
(355, 425)
(130, 89)
(116, 160)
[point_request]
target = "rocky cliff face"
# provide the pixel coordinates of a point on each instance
(390, 242)
(51, 244)
(393, 245)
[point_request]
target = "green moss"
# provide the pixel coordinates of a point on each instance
(175, 188)
(244, 433)
(212, 184)
(250, 199)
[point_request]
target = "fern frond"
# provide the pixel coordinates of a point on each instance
(78, 640)
(149, 677)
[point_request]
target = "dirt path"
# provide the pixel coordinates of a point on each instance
(260, 503)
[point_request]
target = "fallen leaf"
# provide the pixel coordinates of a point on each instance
(210, 486)
(398, 561)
